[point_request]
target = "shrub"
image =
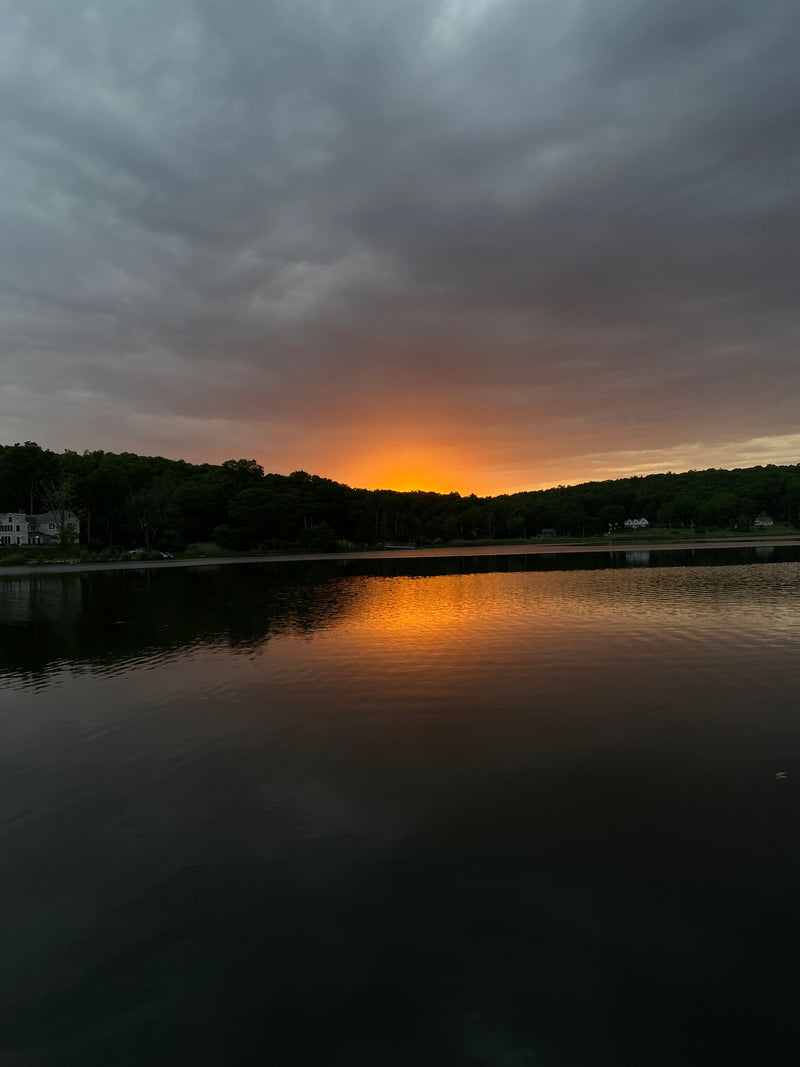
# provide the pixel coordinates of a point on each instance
(14, 559)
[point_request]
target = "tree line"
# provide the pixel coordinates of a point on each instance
(124, 500)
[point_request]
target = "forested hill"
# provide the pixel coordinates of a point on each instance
(127, 500)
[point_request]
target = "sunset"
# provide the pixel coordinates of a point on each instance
(474, 245)
(400, 533)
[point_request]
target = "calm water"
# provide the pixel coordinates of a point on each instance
(514, 811)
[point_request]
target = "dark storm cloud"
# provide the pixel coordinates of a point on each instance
(572, 217)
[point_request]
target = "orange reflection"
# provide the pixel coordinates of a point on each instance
(426, 614)
(404, 605)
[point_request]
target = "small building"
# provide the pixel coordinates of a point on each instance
(14, 528)
(762, 520)
(548, 531)
(46, 529)
(636, 524)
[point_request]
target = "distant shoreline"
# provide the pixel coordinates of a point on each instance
(554, 549)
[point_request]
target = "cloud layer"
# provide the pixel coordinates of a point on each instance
(472, 244)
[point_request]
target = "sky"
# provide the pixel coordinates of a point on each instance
(464, 245)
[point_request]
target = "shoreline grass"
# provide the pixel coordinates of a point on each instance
(46, 556)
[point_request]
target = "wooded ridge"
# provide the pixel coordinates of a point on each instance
(129, 501)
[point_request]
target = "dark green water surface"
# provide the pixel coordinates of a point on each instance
(461, 811)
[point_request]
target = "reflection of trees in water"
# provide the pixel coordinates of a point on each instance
(115, 617)
(613, 559)
(56, 597)
(37, 612)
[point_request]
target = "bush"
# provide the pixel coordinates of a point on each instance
(13, 559)
(320, 538)
(203, 549)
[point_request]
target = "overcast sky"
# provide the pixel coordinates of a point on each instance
(482, 245)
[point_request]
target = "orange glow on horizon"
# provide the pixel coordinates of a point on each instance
(374, 461)
(443, 459)
(405, 470)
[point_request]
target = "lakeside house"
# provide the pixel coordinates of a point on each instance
(14, 528)
(17, 528)
(636, 524)
(762, 519)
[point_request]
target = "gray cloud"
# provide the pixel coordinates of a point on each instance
(569, 221)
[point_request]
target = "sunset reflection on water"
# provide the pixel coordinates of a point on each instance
(554, 807)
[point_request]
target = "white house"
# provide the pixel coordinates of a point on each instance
(762, 520)
(46, 529)
(636, 524)
(14, 528)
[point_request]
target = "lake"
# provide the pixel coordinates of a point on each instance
(492, 810)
